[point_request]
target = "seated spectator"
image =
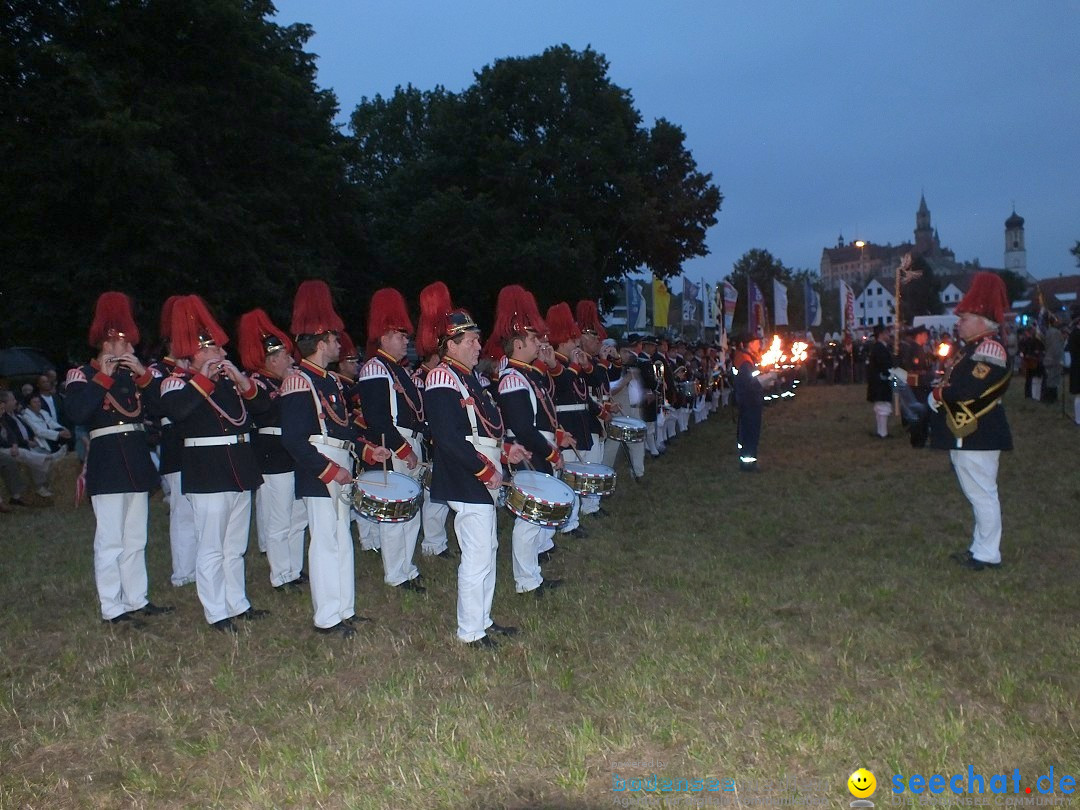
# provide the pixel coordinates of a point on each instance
(50, 435)
(18, 441)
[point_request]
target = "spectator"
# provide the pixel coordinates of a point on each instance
(878, 386)
(1053, 356)
(50, 435)
(17, 441)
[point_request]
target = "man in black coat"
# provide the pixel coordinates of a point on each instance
(878, 385)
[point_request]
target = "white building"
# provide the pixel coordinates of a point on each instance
(875, 305)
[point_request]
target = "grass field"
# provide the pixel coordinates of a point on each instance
(791, 626)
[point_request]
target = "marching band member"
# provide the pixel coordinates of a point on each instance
(107, 395)
(652, 373)
(394, 413)
(433, 514)
(628, 394)
(181, 516)
(569, 373)
(669, 402)
(347, 370)
(526, 403)
(280, 517)
(602, 358)
(218, 467)
(969, 418)
(469, 451)
(318, 430)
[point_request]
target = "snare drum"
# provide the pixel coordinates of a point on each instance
(626, 429)
(540, 498)
(589, 478)
(388, 497)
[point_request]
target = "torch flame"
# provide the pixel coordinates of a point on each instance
(943, 349)
(775, 355)
(798, 352)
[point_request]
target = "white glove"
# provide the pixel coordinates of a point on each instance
(932, 402)
(899, 375)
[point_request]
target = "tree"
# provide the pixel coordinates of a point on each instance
(1016, 286)
(921, 295)
(1076, 253)
(762, 268)
(539, 172)
(163, 147)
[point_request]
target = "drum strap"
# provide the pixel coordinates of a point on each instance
(470, 410)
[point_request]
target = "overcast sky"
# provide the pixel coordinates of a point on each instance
(815, 118)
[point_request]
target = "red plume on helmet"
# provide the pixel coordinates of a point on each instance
(515, 314)
(986, 297)
(386, 313)
(113, 319)
(313, 310)
(348, 348)
(193, 327)
(561, 324)
(166, 317)
(257, 338)
(588, 318)
(440, 319)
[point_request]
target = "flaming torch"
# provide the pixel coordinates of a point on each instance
(775, 355)
(798, 352)
(943, 350)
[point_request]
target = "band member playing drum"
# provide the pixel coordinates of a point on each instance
(318, 430)
(605, 369)
(467, 437)
(394, 413)
(628, 393)
(526, 402)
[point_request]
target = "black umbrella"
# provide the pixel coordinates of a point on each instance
(20, 361)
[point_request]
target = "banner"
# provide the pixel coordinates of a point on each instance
(690, 294)
(709, 305)
(661, 303)
(779, 303)
(755, 307)
(812, 305)
(635, 306)
(847, 307)
(731, 298)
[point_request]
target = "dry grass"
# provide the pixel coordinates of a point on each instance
(797, 623)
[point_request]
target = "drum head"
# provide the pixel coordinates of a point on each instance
(543, 487)
(628, 422)
(388, 486)
(588, 469)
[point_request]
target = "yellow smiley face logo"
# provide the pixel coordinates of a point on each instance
(862, 784)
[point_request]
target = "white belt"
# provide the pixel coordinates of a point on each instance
(125, 428)
(581, 406)
(409, 433)
(270, 431)
(165, 421)
(330, 441)
(483, 441)
(216, 441)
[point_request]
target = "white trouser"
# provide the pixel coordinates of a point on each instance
(1076, 407)
(1036, 388)
(977, 472)
(590, 504)
(39, 464)
(433, 517)
(650, 438)
(120, 551)
(636, 451)
(331, 570)
(882, 411)
(368, 531)
(281, 518)
(181, 532)
(222, 525)
(683, 414)
(671, 424)
(476, 527)
(714, 400)
(527, 541)
(568, 454)
(398, 540)
(660, 429)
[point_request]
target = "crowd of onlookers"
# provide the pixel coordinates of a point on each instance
(34, 436)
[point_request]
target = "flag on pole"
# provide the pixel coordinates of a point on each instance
(661, 303)
(731, 298)
(779, 303)
(813, 305)
(690, 293)
(755, 309)
(847, 307)
(635, 306)
(709, 305)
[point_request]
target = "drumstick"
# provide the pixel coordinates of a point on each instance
(385, 478)
(576, 453)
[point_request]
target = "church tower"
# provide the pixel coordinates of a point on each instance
(1015, 252)
(924, 234)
